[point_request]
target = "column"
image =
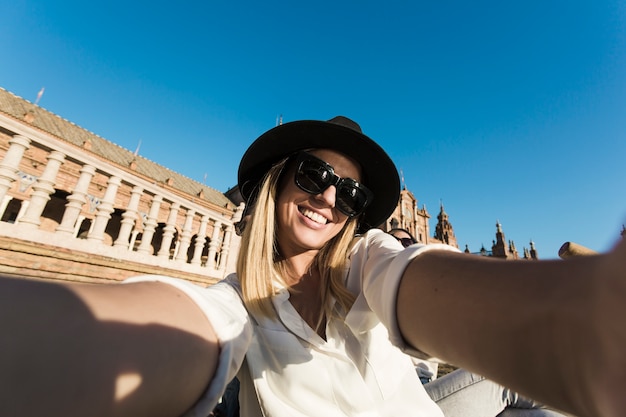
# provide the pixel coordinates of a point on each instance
(168, 231)
(129, 217)
(225, 248)
(185, 237)
(200, 241)
(42, 189)
(11, 162)
(150, 225)
(105, 208)
(76, 200)
(217, 228)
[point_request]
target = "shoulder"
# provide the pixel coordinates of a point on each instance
(371, 254)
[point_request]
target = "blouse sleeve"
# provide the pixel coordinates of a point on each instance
(380, 261)
(225, 311)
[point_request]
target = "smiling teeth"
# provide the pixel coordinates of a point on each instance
(316, 217)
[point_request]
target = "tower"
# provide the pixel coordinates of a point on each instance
(443, 230)
(499, 249)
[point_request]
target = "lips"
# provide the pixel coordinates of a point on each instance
(316, 217)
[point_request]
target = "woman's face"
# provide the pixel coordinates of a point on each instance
(306, 221)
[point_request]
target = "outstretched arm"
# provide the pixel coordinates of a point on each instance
(553, 330)
(101, 350)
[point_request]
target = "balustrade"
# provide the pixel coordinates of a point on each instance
(171, 222)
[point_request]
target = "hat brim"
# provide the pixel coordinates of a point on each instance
(380, 173)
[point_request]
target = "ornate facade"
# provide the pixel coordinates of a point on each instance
(74, 206)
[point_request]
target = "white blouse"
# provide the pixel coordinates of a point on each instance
(289, 370)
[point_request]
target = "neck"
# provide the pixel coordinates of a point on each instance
(305, 296)
(298, 267)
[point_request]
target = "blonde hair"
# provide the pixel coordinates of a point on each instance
(259, 264)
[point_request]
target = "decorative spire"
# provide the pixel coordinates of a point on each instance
(137, 149)
(39, 94)
(533, 251)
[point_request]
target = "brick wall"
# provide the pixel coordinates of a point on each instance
(21, 258)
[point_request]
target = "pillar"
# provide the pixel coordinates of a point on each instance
(168, 231)
(217, 228)
(42, 189)
(76, 200)
(129, 217)
(150, 225)
(185, 237)
(200, 241)
(11, 162)
(225, 248)
(105, 208)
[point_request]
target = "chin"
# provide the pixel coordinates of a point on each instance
(312, 242)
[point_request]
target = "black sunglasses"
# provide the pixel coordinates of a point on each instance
(405, 241)
(314, 176)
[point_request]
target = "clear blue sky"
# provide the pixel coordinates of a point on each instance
(509, 111)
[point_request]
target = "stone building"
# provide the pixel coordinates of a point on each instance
(409, 216)
(74, 206)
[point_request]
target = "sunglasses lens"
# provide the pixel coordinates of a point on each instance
(312, 177)
(350, 200)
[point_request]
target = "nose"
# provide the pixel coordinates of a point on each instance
(328, 196)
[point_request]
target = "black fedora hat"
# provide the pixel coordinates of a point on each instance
(340, 134)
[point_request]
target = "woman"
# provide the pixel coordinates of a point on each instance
(319, 316)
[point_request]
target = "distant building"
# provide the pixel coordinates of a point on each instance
(500, 248)
(409, 216)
